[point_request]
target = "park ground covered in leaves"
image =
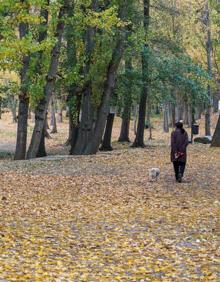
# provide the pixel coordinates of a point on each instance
(99, 218)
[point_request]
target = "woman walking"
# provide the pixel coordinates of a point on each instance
(179, 143)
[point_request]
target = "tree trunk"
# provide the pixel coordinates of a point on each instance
(208, 117)
(67, 112)
(86, 125)
(32, 117)
(170, 121)
(42, 148)
(209, 67)
(29, 114)
(185, 113)
(136, 111)
(216, 136)
(42, 106)
(173, 115)
(139, 139)
(126, 116)
(201, 109)
(73, 99)
(46, 127)
(208, 121)
(177, 114)
(124, 134)
(42, 35)
(21, 142)
(13, 107)
(193, 113)
(173, 107)
(179, 111)
(74, 136)
(71, 126)
(53, 121)
(157, 110)
(14, 115)
(197, 114)
(54, 124)
(149, 119)
(215, 104)
(166, 118)
(106, 143)
(190, 118)
(74, 120)
(74, 125)
(42, 151)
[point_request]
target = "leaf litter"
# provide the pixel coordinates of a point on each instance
(98, 218)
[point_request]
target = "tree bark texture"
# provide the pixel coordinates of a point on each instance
(53, 121)
(106, 143)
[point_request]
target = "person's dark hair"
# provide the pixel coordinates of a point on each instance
(179, 125)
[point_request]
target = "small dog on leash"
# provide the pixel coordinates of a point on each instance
(154, 174)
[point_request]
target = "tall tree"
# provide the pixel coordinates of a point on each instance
(139, 139)
(42, 36)
(73, 95)
(209, 68)
(41, 109)
(21, 143)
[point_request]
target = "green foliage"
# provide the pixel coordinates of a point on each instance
(9, 88)
(175, 49)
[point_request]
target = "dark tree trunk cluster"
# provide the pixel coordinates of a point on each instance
(93, 121)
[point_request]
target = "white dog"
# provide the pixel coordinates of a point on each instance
(154, 174)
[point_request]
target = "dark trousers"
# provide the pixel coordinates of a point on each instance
(179, 168)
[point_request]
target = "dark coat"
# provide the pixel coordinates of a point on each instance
(179, 143)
